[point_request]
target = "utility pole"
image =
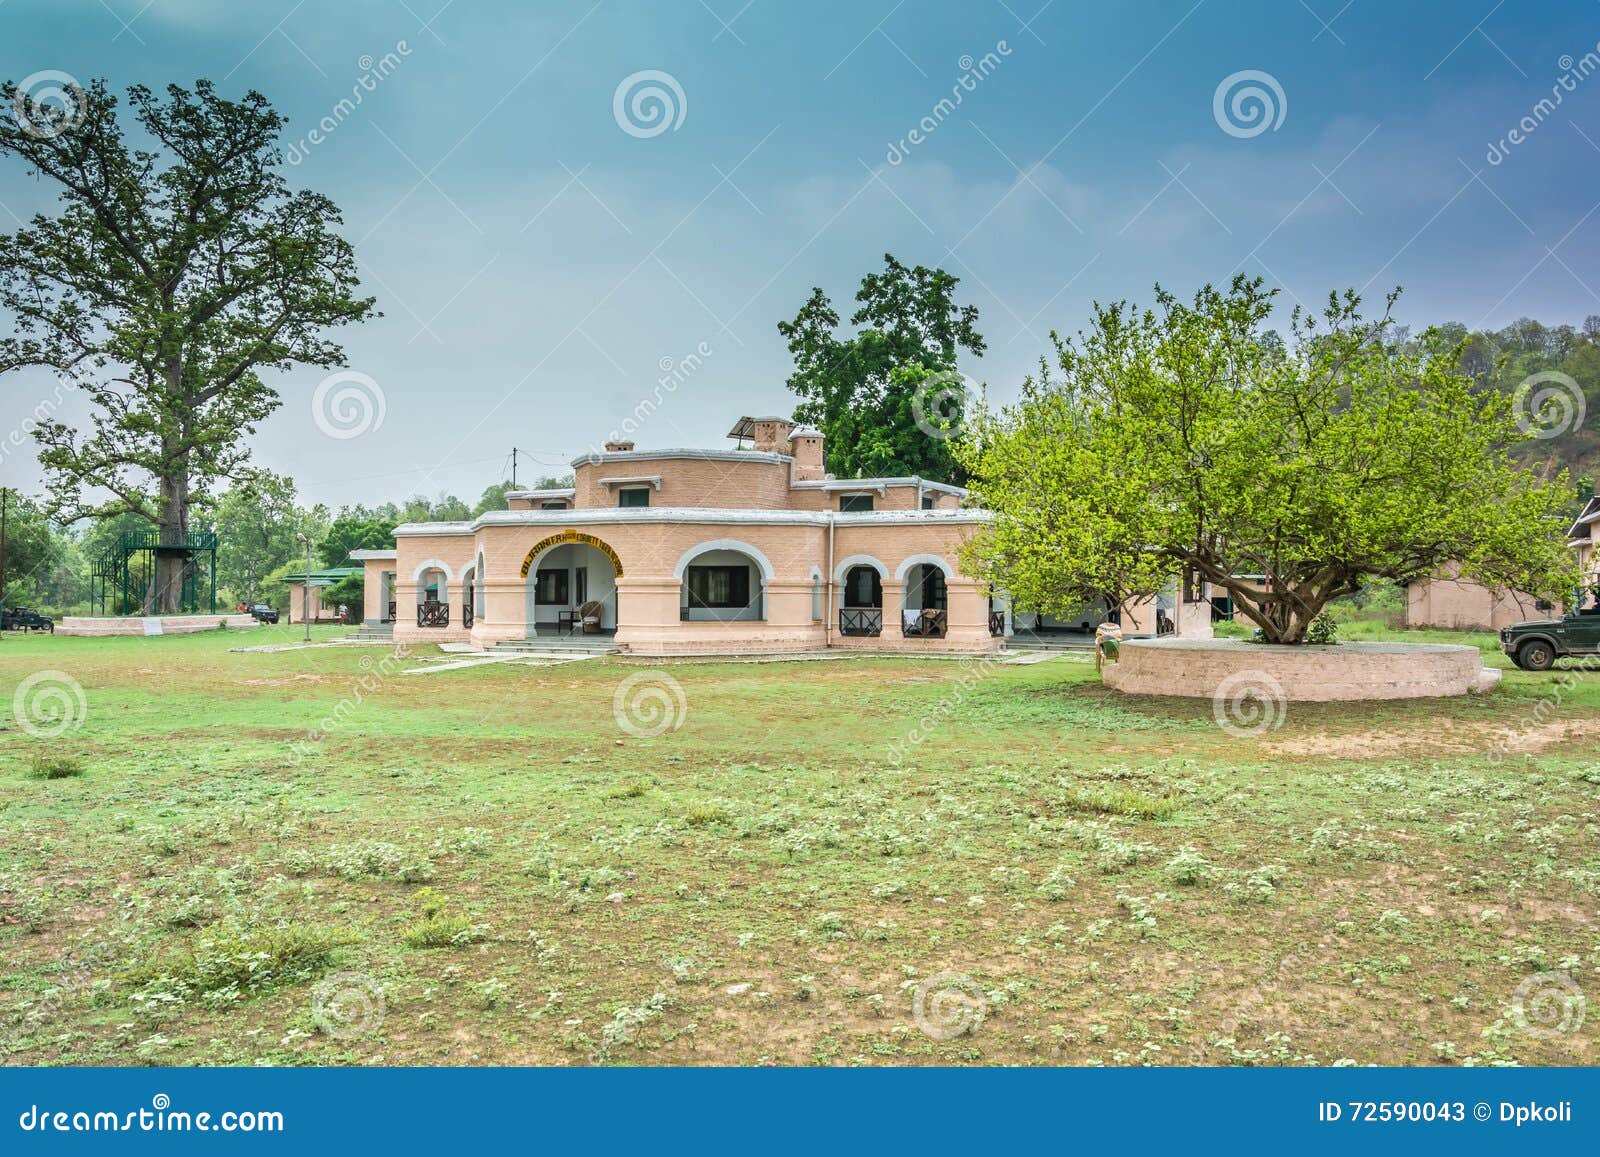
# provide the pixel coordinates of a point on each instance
(305, 538)
(513, 467)
(4, 494)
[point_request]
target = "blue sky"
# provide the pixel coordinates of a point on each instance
(537, 264)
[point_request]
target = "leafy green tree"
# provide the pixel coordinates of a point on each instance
(179, 268)
(358, 531)
(256, 521)
(349, 591)
(1179, 439)
(492, 498)
(849, 389)
(445, 508)
(35, 551)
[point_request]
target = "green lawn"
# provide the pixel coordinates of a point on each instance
(1069, 877)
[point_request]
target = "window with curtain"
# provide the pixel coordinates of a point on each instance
(550, 588)
(719, 586)
(934, 596)
(863, 587)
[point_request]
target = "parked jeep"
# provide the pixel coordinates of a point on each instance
(22, 619)
(1536, 645)
(263, 613)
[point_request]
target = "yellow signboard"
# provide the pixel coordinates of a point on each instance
(562, 539)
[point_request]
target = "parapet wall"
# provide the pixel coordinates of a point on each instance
(151, 625)
(1206, 668)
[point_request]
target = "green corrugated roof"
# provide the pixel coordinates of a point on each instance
(331, 575)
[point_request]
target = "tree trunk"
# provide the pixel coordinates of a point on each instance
(165, 596)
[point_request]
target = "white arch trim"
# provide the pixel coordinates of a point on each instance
(433, 564)
(694, 552)
(930, 559)
(856, 560)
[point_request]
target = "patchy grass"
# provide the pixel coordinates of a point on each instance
(50, 764)
(1107, 880)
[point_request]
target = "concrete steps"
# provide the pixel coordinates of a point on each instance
(557, 645)
(383, 634)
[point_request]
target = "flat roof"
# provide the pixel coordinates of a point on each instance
(746, 427)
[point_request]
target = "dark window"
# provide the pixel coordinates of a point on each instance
(637, 496)
(554, 504)
(863, 587)
(849, 503)
(550, 588)
(719, 586)
(933, 595)
(582, 584)
(927, 502)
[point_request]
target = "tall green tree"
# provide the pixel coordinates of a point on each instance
(875, 421)
(178, 269)
(1186, 438)
(256, 521)
(35, 551)
(358, 531)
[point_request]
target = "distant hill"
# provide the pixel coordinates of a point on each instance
(1506, 359)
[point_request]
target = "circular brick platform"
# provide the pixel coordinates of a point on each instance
(1207, 668)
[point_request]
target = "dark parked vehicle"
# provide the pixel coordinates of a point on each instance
(263, 613)
(1537, 645)
(22, 619)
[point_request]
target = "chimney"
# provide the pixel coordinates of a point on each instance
(618, 447)
(805, 447)
(771, 435)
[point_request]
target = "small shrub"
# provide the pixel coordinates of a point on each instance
(702, 814)
(1188, 867)
(377, 860)
(1323, 631)
(441, 930)
(633, 789)
(1121, 801)
(56, 765)
(246, 959)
